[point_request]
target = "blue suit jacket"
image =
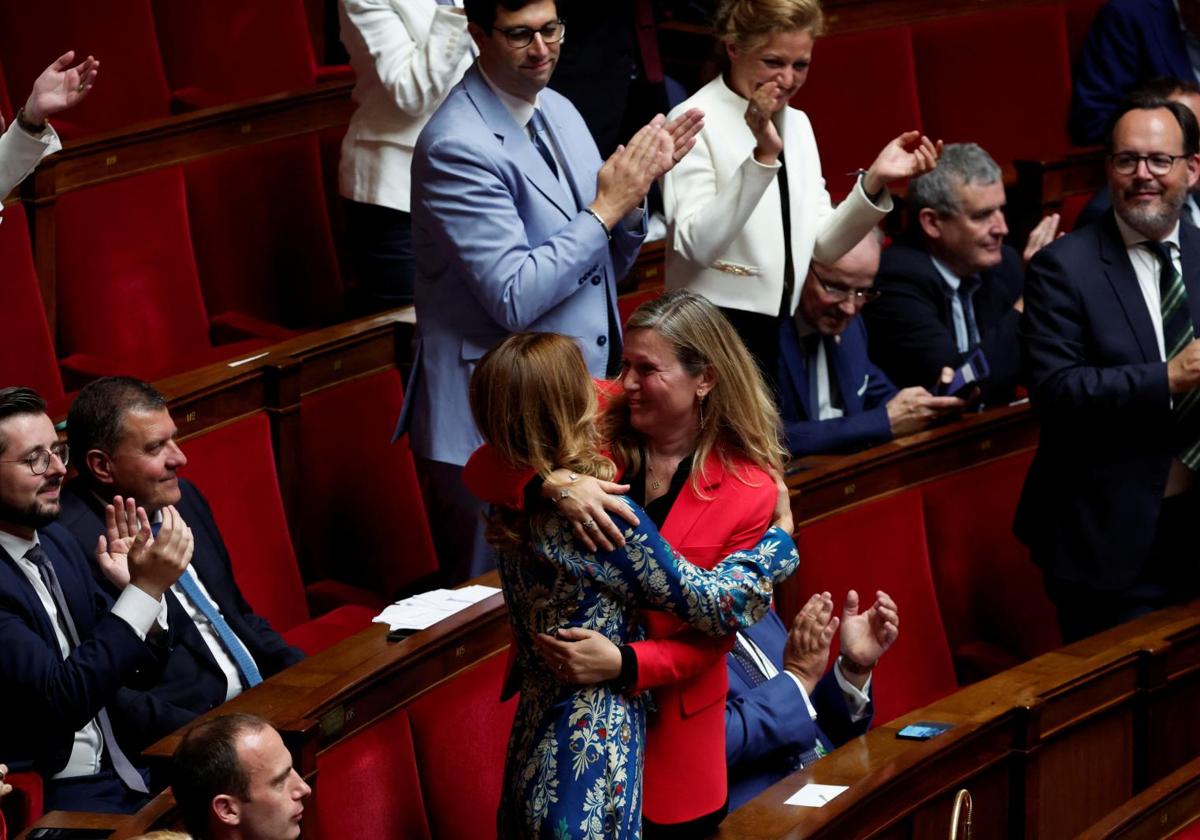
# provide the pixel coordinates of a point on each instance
(501, 247)
(912, 325)
(768, 727)
(192, 682)
(865, 391)
(44, 699)
(1130, 42)
(1091, 500)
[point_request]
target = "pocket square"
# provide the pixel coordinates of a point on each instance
(863, 389)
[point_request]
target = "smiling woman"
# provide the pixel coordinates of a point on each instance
(748, 207)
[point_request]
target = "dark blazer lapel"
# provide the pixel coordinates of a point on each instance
(13, 580)
(515, 141)
(689, 508)
(1119, 272)
(851, 381)
(795, 360)
(1189, 246)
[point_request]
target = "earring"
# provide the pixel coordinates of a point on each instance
(700, 397)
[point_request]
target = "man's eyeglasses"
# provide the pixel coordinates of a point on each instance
(1126, 163)
(522, 36)
(840, 291)
(38, 461)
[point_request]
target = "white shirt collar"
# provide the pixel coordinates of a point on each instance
(17, 547)
(520, 110)
(949, 277)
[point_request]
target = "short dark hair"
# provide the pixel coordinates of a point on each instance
(482, 13)
(1182, 113)
(16, 400)
(205, 765)
(95, 418)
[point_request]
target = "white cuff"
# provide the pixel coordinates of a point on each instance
(812, 712)
(139, 610)
(856, 699)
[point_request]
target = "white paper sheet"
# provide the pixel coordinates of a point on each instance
(814, 796)
(428, 608)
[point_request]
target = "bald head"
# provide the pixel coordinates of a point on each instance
(830, 299)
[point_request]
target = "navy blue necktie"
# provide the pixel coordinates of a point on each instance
(537, 126)
(124, 768)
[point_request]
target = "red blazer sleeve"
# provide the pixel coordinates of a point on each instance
(676, 652)
(494, 480)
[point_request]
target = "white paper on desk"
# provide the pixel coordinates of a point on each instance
(428, 608)
(814, 796)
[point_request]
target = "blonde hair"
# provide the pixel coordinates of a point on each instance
(163, 835)
(739, 416)
(747, 23)
(534, 401)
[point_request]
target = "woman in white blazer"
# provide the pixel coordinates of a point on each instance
(723, 201)
(407, 55)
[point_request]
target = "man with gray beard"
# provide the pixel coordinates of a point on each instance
(1114, 373)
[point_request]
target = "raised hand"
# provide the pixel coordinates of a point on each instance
(156, 563)
(683, 130)
(1041, 236)
(806, 652)
(627, 175)
(60, 86)
(909, 155)
(763, 105)
(866, 636)
(120, 532)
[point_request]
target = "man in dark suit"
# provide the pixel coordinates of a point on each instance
(831, 398)
(1114, 370)
(125, 443)
(955, 286)
(1130, 42)
(67, 648)
(783, 710)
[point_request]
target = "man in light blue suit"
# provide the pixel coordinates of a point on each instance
(517, 225)
(831, 397)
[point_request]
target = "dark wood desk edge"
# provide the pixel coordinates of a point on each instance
(1170, 804)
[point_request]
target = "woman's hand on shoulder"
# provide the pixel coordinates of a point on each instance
(781, 517)
(579, 656)
(909, 155)
(586, 502)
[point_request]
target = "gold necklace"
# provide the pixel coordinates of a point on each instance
(654, 482)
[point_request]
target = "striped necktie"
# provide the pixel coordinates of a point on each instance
(537, 128)
(124, 768)
(1178, 332)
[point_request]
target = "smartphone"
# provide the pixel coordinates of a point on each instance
(923, 730)
(973, 371)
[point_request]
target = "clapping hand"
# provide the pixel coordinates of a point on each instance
(1042, 235)
(122, 526)
(909, 155)
(683, 130)
(629, 172)
(60, 86)
(866, 636)
(806, 652)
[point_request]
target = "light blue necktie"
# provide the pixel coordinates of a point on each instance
(232, 644)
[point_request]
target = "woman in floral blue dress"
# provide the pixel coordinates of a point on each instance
(575, 753)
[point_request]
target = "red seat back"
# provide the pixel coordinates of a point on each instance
(263, 46)
(234, 466)
(131, 87)
(24, 805)
(364, 518)
(29, 359)
(460, 730)
(973, 91)
(628, 302)
(866, 73)
(261, 233)
(128, 291)
(881, 545)
(989, 589)
(367, 785)
(1080, 14)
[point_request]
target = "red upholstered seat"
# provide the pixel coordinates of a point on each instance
(363, 516)
(460, 730)
(860, 93)
(1080, 14)
(367, 785)
(973, 90)
(264, 48)
(131, 87)
(24, 805)
(29, 355)
(994, 607)
(881, 545)
(234, 466)
(628, 302)
(1191, 832)
(128, 295)
(261, 232)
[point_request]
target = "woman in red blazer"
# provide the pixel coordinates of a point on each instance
(697, 436)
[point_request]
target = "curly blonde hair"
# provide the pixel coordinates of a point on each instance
(747, 23)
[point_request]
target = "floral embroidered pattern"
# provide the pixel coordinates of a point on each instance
(574, 763)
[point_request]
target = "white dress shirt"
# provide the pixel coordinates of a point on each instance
(857, 699)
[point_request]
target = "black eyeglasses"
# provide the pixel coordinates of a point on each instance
(522, 36)
(840, 291)
(1160, 163)
(38, 461)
